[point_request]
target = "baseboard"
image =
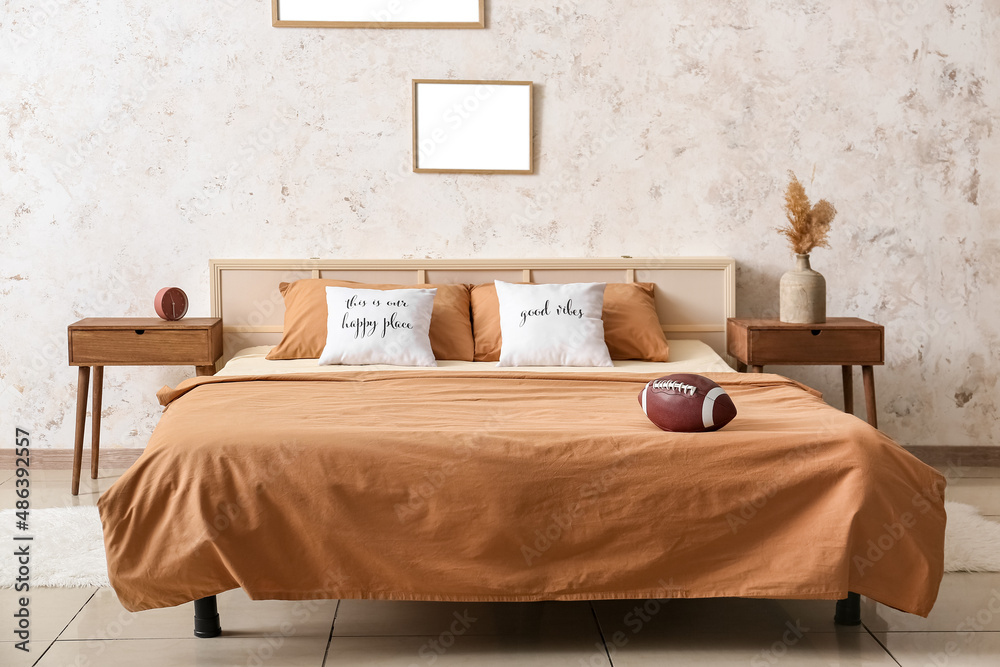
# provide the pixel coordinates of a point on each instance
(62, 459)
(976, 457)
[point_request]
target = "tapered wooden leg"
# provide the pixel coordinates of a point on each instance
(82, 383)
(206, 618)
(757, 369)
(95, 421)
(204, 370)
(848, 372)
(868, 374)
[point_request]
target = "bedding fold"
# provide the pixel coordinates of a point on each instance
(478, 485)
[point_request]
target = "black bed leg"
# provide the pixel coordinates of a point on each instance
(206, 618)
(848, 610)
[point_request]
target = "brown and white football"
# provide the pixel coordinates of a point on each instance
(686, 403)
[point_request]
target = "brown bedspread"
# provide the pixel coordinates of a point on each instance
(415, 485)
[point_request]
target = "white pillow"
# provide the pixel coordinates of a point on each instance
(552, 325)
(367, 326)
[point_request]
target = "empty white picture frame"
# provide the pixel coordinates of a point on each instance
(476, 127)
(378, 13)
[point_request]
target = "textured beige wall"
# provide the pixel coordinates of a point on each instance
(142, 138)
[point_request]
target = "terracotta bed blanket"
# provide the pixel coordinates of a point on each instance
(408, 485)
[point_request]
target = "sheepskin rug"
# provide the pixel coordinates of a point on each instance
(67, 550)
(971, 541)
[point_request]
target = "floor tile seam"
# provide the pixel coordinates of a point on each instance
(86, 602)
(600, 631)
(883, 646)
(329, 638)
(37, 660)
(431, 635)
(222, 638)
(932, 632)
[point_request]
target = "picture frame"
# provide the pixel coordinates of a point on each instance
(473, 127)
(448, 14)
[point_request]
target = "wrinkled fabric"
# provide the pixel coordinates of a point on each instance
(501, 486)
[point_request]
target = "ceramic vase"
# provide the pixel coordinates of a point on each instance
(803, 294)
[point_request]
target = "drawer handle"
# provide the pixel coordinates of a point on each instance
(140, 331)
(816, 332)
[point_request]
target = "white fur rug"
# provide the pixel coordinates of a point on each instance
(68, 547)
(67, 550)
(971, 541)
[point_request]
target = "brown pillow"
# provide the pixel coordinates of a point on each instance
(305, 319)
(486, 321)
(631, 327)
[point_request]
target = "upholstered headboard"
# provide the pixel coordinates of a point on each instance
(694, 295)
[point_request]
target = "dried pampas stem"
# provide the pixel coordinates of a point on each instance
(808, 226)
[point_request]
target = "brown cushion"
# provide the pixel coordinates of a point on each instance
(305, 319)
(486, 321)
(631, 327)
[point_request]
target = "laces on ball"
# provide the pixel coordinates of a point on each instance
(675, 385)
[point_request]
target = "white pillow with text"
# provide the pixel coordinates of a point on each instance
(552, 325)
(366, 326)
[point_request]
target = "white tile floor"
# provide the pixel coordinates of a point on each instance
(88, 626)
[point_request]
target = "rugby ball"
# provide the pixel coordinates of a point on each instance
(686, 403)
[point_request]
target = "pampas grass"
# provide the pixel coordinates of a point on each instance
(808, 226)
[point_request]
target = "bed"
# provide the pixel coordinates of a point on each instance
(471, 482)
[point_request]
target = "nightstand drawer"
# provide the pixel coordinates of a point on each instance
(816, 346)
(144, 347)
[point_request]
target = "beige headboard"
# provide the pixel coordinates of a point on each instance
(694, 295)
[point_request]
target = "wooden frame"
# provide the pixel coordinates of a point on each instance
(695, 295)
(438, 137)
(384, 24)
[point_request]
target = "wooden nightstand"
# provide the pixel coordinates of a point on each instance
(133, 341)
(840, 341)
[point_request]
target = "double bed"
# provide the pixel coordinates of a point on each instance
(472, 482)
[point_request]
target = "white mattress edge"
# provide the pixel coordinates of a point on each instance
(687, 356)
